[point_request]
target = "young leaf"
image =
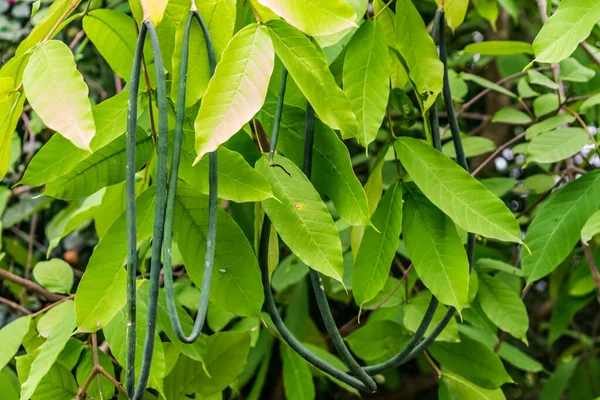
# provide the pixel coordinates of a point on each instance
(366, 79)
(545, 104)
(436, 250)
(548, 125)
(237, 90)
(236, 284)
(56, 91)
(43, 27)
(472, 145)
(557, 226)
(565, 29)
(12, 335)
(511, 116)
(378, 248)
(499, 48)
(460, 388)
(301, 218)
(557, 145)
(313, 17)
(336, 178)
(418, 50)
(571, 70)
(503, 306)
(538, 78)
(55, 275)
(487, 84)
(460, 196)
(591, 228)
(455, 11)
(488, 9)
(154, 10)
(311, 73)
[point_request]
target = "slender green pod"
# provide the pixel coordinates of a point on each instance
(159, 213)
(212, 198)
(130, 209)
(315, 277)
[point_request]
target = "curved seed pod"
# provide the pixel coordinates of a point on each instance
(212, 199)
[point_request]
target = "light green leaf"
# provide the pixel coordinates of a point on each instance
(462, 389)
(236, 284)
(557, 145)
(557, 226)
(472, 360)
(366, 79)
(154, 10)
(525, 90)
(559, 380)
(589, 103)
(114, 35)
(301, 218)
(312, 17)
(487, 84)
(418, 50)
(545, 104)
(537, 184)
(7, 388)
(571, 70)
(460, 196)
(538, 78)
(414, 311)
(309, 70)
(101, 291)
(488, 9)
(115, 332)
(548, 125)
(378, 247)
(48, 354)
(105, 167)
(472, 145)
(59, 383)
(56, 91)
(503, 306)
(511, 116)
(336, 178)
(565, 29)
(55, 275)
(219, 17)
(7, 87)
(237, 90)
(489, 264)
(436, 250)
(499, 186)
(378, 339)
(499, 48)
(53, 317)
(238, 181)
(297, 379)
(11, 336)
(591, 228)
(455, 11)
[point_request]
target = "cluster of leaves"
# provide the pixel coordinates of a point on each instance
(384, 219)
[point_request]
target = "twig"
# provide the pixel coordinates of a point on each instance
(49, 306)
(583, 125)
(14, 305)
(30, 240)
(435, 367)
(496, 152)
(72, 6)
(76, 39)
(30, 285)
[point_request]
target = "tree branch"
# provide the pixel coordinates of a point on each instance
(30, 285)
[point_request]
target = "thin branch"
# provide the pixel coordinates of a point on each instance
(30, 240)
(48, 307)
(30, 285)
(72, 6)
(496, 152)
(14, 305)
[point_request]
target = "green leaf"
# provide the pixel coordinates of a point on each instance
(9, 392)
(414, 311)
(591, 228)
(545, 104)
(48, 353)
(237, 90)
(418, 50)
(378, 339)
(114, 35)
(297, 379)
(559, 380)
(366, 79)
(571, 70)
(489, 264)
(59, 383)
(105, 167)
(487, 84)
(503, 306)
(499, 48)
(548, 125)
(219, 17)
(378, 247)
(56, 91)
(525, 91)
(511, 116)
(472, 360)
(454, 11)
(538, 78)
(154, 10)
(557, 145)
(436, 250)
(565, 29)
(101, 291)
(236, 284)
(336, 178)
(115, 332)
(499, 186)
(84, 368)
(313, 17)
(472, 145)
(460, 196)
(462, 389)
(238, 181)
(55, 275)
(53, 317)
(488, 9)
(225, 359)
(564, 311)
(11, 336)
(309, 70)
(557, 226)
(301, 218)
(589, 103)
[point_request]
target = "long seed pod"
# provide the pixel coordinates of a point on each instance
(159, 215)
(212, 198)
(315, 277)
(130, 209)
